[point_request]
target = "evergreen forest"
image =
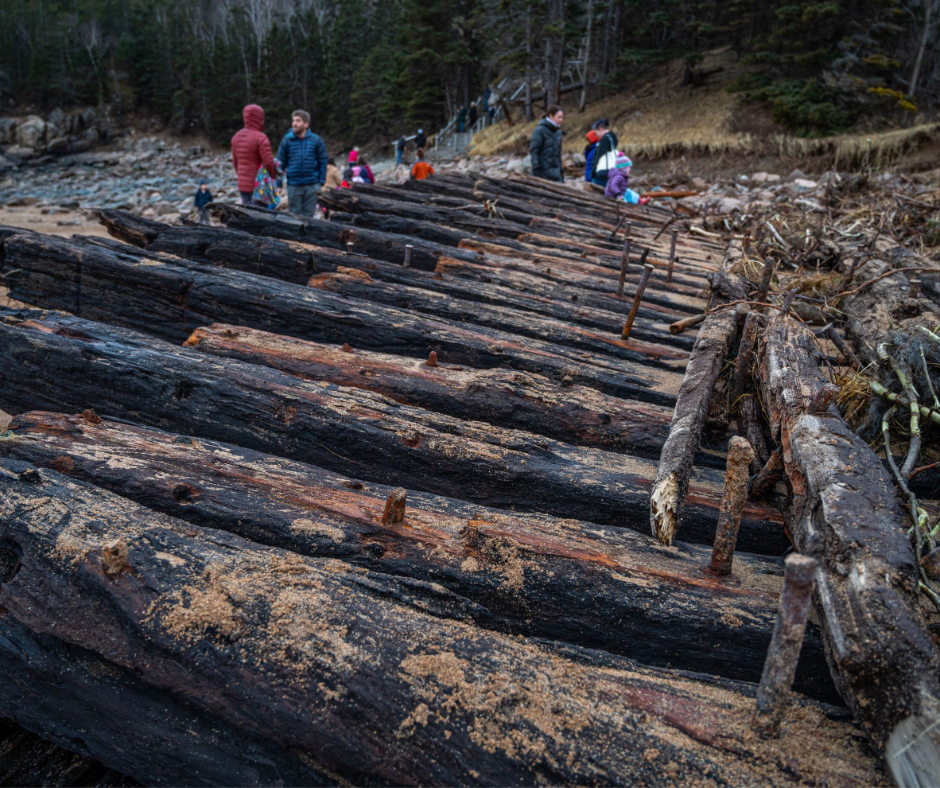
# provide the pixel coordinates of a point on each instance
(370, 69)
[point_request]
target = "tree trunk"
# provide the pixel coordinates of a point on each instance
(845, 513)
(186, 655)
(585, 74)
(132, 376)
(531, 575)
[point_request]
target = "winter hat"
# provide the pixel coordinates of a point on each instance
(592, 136)
(623, 161)
(353, 156)
(202, 182)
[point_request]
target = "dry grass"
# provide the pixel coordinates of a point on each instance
(663, 120)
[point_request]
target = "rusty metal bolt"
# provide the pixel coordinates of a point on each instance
(740, 455)
(784, 650)
(395, 507)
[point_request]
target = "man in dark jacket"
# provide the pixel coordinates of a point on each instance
(421, 139)
(250, 149)
(302, 154)
(545, 146)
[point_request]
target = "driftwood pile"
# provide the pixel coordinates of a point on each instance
(367, 501)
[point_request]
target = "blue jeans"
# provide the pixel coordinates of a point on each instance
(303, 200)
(398, 154)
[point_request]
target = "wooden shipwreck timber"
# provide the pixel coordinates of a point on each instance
(368, 501)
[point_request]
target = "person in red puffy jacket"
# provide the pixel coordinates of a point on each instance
(250, 149)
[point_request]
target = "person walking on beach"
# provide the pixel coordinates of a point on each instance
(400, 149)
(545, 146)
(462, 117)
(302, 154)
(421, 139)
(251, 149)
(201, 200)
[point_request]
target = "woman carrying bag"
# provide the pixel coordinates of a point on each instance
(605, 154)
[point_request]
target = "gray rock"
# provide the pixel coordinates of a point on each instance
(58, 146)
(165, 208)
(7, 130)
(57, 118)
(31, 133)
(730, 205)
(795, 175)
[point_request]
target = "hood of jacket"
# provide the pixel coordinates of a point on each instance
(254, 117)
(549, 125)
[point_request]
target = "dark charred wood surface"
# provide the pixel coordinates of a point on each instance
(293, 262)
(846, 514)
(131, 376)
(505, 398)
(27, 759)
(336, 673)
(170, 299)
(641, 347)
(562, 580)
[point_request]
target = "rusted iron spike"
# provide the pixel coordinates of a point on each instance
(768, 476)
(784, 650)
(742, 363)
(687, 322)
(740, 455)
(823, 398)
(408, 248)
(851, 274)
(395, 507)
(432, 359)
(620, 221)
(637, 298)
(788, 302)
(765, 278)
(628, 229)
(848, 357)
(624, 262)
(672, 254)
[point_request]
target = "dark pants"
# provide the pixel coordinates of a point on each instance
(204, 216)
(600, 179)
(246, 197)
(303, 200)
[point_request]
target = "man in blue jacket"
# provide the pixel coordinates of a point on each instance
(302, 154)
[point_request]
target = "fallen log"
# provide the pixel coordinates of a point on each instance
(504, 398)
(588, 585)
(334, 673)
(128, 375)
(846, 514)
(169, 300)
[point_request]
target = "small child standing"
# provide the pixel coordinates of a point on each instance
(618, 182)
(202, 199)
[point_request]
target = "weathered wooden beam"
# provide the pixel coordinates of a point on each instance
(846, 514)
(132, 376)
(530, 574)
(505, 398)
(712, 346)
(295, 262)
(333, 673)
(170, 299)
